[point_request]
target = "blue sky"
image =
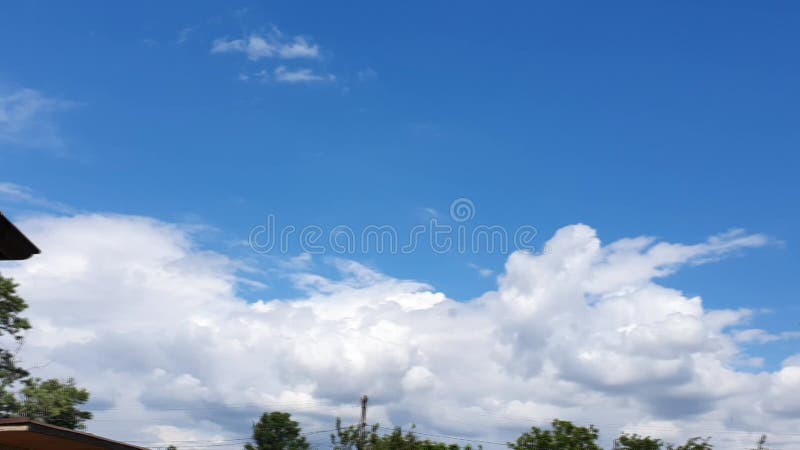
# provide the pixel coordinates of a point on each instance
(674, 120)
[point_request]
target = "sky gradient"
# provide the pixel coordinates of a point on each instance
(653, 145)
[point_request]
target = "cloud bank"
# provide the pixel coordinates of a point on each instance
(154, 327)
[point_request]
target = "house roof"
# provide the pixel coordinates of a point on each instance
(14, 244)
(23, 433)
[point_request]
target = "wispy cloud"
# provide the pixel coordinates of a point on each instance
(367, 74)
(284, 75)
(25, 119)
(184, 35)
(277, 46)
(270, 45)
(15, 193)
(430, 213)
(299, 262)
(759, 336)
(484, 272)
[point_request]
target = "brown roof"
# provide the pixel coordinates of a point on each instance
(23, 433)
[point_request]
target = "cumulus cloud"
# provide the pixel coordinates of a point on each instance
(154, 327)
(25, 119)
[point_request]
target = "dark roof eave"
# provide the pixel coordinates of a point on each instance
(13, 244)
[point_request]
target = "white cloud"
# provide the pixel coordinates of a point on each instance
(484, 272)
(299, 48)
(367, 74)
(275, 45)
(25, 119)
(262, 75)
(16, 193)
(755, 335)
(430, 212)
(581, 332)
(257, 48)
(284, 75)
(184, 35)
(224, 45)
(270, 45)
(301, 261)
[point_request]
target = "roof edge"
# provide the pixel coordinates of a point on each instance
(66, 433)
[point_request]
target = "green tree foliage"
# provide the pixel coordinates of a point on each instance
(563, 436)
(12, 327)
(54, 402)
(349, 438)
(636, 442)
(398, 440)
(277, 431)
(172, 447)
(695, 443)
(51, 401)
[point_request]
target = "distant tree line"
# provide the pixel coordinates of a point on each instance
(277, 431)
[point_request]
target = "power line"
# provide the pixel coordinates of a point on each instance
(219, 441)
(237, 441)
(459, 438)
(224, 406)
(507, 418)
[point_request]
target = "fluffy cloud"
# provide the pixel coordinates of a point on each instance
(154, 326)
(25, 119)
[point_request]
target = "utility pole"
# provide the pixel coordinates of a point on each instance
(363, 431)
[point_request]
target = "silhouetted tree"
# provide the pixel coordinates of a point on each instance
(349, 438)
(762, 443)
(277, 431)
(695, 443)
(563, 436)
(636, 442)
